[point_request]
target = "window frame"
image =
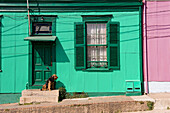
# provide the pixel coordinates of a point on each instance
(34, 31)
(97, 22)
(43, 19)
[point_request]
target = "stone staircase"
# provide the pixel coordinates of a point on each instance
(35, 95)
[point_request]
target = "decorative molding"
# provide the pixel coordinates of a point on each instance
(97, 15)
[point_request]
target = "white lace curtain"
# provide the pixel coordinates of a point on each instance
(96, 35)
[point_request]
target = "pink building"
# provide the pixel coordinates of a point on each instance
(156, 46)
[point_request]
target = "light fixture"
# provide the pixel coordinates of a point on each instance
(42, 18)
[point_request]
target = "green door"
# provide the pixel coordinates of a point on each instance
(42, 63)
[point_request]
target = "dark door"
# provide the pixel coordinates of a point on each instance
(42, 63)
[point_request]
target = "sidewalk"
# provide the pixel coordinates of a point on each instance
(162, 103)
(97, 105)
(152, 111)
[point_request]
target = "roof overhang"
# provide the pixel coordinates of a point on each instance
(68, 5)
(69, 1)
(40, 38)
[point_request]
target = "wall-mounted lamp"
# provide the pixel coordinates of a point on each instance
(42, 18)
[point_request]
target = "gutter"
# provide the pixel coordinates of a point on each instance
(28, 17)
(146, 48)
(55, 4)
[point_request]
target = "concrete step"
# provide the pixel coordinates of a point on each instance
(41, 99)
(35, 95)
(37, 92)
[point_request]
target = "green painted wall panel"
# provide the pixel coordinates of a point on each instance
(16, 64)
(14, 53)
(79, 86)
(21, 68)
(21, 54)
(132, 75)
(8, 53)
(104, 86)
(91, 82)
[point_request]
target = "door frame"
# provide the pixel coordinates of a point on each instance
(30, 64)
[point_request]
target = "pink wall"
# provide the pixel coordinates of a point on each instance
(158, 41)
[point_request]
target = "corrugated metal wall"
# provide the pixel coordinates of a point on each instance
(158, 34)
(157, 45)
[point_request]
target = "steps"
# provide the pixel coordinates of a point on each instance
(35, 95)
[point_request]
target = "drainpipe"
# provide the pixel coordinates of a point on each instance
(28, 17)
(146, 48)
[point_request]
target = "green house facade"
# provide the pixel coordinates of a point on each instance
(93, 46)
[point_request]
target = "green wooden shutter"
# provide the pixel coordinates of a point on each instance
(80, 48)
(113, 45)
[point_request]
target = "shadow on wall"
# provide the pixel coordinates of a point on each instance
(60, 53)
(59, 84)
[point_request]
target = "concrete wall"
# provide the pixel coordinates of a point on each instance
(158, 87)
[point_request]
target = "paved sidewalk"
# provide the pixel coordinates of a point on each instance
(83, 101)
(91, 104)
(162, 102)
(153, 111)
(66, 102)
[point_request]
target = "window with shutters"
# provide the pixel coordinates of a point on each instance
(97, 45)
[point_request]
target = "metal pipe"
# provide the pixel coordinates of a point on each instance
(28, 17)
(146, 48)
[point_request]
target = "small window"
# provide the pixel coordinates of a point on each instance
(42, 28)
(43, 25)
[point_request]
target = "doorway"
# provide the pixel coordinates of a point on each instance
(43, 63)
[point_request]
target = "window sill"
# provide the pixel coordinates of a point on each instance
(99, 69)
(41, 35)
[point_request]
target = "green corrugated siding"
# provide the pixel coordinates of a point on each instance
(15, 54)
